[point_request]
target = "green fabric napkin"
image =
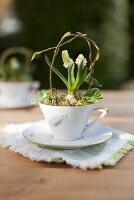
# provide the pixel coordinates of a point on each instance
(105, 154)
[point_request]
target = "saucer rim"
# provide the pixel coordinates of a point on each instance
(65, 147)
(23, 104)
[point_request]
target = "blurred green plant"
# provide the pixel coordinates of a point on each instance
(15, 70)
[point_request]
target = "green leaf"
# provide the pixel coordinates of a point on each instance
(96, 83)
(56, 71)
(40, 97)
(71, 78)
(94, 92)
(84, 75)
(93, 95)
(79, 78)
(87, 79)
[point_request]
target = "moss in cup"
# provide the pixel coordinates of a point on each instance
(78, 72)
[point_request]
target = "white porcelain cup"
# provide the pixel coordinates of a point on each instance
(16, 92)
(70, 123)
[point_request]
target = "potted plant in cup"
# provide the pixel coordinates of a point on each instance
(67, 113)
(16, 79)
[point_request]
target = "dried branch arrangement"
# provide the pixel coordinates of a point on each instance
(73, 82)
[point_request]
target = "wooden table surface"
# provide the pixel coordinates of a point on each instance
(23, 179)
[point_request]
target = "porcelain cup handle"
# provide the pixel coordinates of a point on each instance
(103, 112)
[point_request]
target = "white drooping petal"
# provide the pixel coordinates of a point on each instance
(71, 61)
(66, 59)
(81, 59)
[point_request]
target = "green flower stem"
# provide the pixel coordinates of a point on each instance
(78, 78)
(69, 77)
(72, 74)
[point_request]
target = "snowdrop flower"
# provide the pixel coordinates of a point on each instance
(66, 59)
(80, 59)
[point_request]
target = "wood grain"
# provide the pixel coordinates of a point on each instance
(22, 179)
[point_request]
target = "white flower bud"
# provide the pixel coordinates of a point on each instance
(80, 59)
(66, 59)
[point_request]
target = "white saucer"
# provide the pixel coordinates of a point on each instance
(41, 136)
(14, 105)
